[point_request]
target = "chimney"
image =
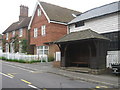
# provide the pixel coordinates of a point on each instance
(23, 12)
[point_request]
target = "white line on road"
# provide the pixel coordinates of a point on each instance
(32, 86)
(6, 75)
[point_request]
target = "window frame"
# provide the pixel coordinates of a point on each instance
(43, 30)
(42, 49)
(35, 32)
(13, 33)
(20, 32)
(7, 47)
(7, 35)
(38, 12)
(79, 24)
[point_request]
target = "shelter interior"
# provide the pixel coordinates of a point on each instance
(79, 54)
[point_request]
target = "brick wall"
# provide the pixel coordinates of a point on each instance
(53, 32)
(0, 40)
(24, 35)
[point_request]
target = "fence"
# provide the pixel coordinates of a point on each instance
(113, 57)
(22, 56)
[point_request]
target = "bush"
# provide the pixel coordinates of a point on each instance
(50, 58)
(3, 58)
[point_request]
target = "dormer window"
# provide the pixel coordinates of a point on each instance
(79, 24)
(20, 32)
(38, 12)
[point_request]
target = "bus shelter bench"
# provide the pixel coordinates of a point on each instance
(79, 63)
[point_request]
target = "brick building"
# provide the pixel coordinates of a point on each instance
(17, 33)
(48, 24)
(0, 43)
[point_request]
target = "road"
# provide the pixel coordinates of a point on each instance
(16, 77)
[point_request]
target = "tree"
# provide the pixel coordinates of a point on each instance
(24, 44)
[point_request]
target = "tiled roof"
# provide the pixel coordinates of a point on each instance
(57, 13)
(17, 25)
(97, 12)
(81, 35)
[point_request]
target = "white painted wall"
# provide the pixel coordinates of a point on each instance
(103, 24)
(58, 56)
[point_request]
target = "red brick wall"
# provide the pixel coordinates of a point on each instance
(24, 35)
(53, 31)
(0, 40)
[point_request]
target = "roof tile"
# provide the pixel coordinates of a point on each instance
(81, 35)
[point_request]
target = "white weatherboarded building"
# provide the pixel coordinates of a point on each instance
(103, 20)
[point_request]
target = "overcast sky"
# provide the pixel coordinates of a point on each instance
(9, 9)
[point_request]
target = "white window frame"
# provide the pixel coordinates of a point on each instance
(7, 34)
(7, 47)
(20, 32)
(38, 12)
(20, 48)
(12, 47)
(42, 49)
(43, 30)
(13, 33)
(35, 32)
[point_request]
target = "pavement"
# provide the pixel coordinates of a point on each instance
(109, 80)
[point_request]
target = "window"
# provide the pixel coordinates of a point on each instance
(20, 32)
(7, 47)
(35, 32)
(41, 50)
(12, 47)
(20, 48)
(7, 36)
(43, 30)
(13, 33)
(39, 12)
(79, 24)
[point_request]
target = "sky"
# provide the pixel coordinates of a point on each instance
(10, 9)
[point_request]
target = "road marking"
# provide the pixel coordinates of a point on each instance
(37, 72)
(101, 87)
(6, 75)
(97, 87)
(32, 86)
(26, 81)
(10, 75)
